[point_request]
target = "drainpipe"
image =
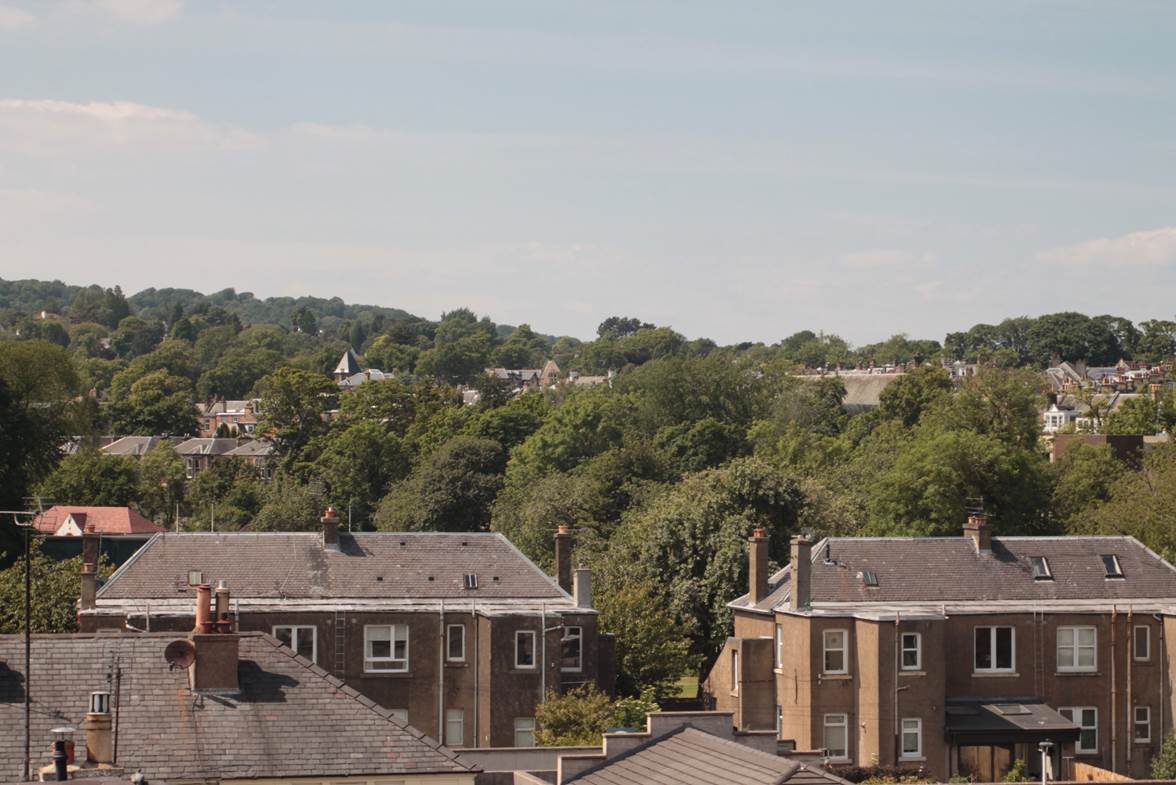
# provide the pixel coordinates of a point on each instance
(1163, 667)
(543, 658)
(441, 674)
(897, 654)
(477, 663)
(1130, 730)
(1114, 693)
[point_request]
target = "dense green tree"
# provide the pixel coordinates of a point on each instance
(621, 327)
(522, 349)
(452, 489)
(90, 477)
(58, 584)
(1163, 765)
(585, 423)
(653, 647)
(389, 356)
(135, 336)
(701, 445)
(161, 483)
(293, 405)
(237, 370)
(458, 361)
(580, 716)
(1083, 479)
(356, 464)
(512, 422)
(158, 403)
(908, 396)
(304, 321)
(226, 496)
(1141, 504)
(289, 506)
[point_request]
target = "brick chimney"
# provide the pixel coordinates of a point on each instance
(757, 564)
(802, 565)
(563, 557)
(99, 745)
(89, 587)
(215, 668)
(978, 530)
(330, 521)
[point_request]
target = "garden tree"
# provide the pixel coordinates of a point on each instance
(621, 326)
(1157, 341)
(586, 423)
(161, 483)
(564, 352)
(522, 349)
(227, 496)
(649, 344)
(511, 423)
(704, 444)
(1144, 415)
(135, 336)
(108, 307)
(290, 506)
(389, 356)
(941, 474)
(293, 405)
(431, 430)
(689, 543)
(899, 349)
(907, 397)
(211, 342)
(1124, 333)
(57, 586)
(237, 370)
(812, 350)
(492, 391)
(452, 489)
(1005, 403)
(172, 356)
(457, 362)
(580, 716)
(356, 464)
(1163, 765)
(158, 403)
(813, 403)
(1071, 336)
(1083, 479)
(304, 321)
(653, 648)
(90, 477)
(86, 340)
(688, 389)
(392, 403)
(1141, 504)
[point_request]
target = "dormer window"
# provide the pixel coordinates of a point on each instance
(1040, 567)
(1111, 565)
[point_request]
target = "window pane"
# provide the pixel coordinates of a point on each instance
(1088, 740)
(834, 661)
(570, 648)
(306, 642)
(983, 648)
(1142, 643)
(1065, 636)
(1086, 636)
(1089, 718)
(456, 642)
(835, 741)
(1004, 647)
(1086, 658)
(1065, 656)
(283, 634)
(525, 649)
(378, 648)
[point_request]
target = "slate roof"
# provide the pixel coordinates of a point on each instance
(375, 565)
(135, 445)
(348, 364)
(252, 449)
(102, 520)
(214, 446)
(932, 570)
(990, 717)
(689, 756)
(290, 719)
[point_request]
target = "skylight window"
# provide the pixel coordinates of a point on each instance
(1111, 565)
(1040, 567)
(471, 581)
(870, 578)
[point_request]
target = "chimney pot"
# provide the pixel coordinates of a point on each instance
(978, 530)
(203, 608)
(801, 561)
(757, 565)
(330, 521)
(563, 558)
(99, 745)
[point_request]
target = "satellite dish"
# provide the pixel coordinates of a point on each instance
(180, 654)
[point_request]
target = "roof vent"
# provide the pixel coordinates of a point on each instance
(471, 580)
(1011, 709)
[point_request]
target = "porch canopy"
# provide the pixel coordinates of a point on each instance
(1005, 721)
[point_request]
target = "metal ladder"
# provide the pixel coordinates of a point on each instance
(340, 643)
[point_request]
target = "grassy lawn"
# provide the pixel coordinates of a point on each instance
(688, 687)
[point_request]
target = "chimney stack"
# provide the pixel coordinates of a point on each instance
(977, 528)
(89, 586)
(583, 588)
(563, 557)
(802, 565)
(330, 522)
(215, 668)
(99, 746)
(757, 564)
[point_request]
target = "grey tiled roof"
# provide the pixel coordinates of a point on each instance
(691, 757)
(252, 448)
(136, 445)
(948, 569)
(372, 565)
(290, 719)
(210, 446)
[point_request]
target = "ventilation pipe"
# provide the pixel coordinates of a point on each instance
(99, 741)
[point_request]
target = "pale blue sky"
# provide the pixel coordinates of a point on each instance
(740, 170)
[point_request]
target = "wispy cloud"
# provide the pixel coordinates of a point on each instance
(888, 257)
(44, 121)
(1153, 247)
(142, 12)
(12, 18)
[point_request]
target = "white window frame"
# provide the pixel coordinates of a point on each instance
(843, 649)
(902, 651)
(992, 628)
(1146, 630)
(911, 725)
(1136, 722)
(455, 719)
(1075, 648)
(835, 721)
(1074, 715)
(400, 714)
(519, 634)
(370, 662)
(524, 725)
(735, 672)
(295, 634)
(779, 645)
(579, 638)
(449, 630)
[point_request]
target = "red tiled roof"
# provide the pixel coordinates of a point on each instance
(100, 520)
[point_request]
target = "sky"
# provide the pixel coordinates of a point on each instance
(738, 170)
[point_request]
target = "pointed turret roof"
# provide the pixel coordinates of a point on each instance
(348, 364)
